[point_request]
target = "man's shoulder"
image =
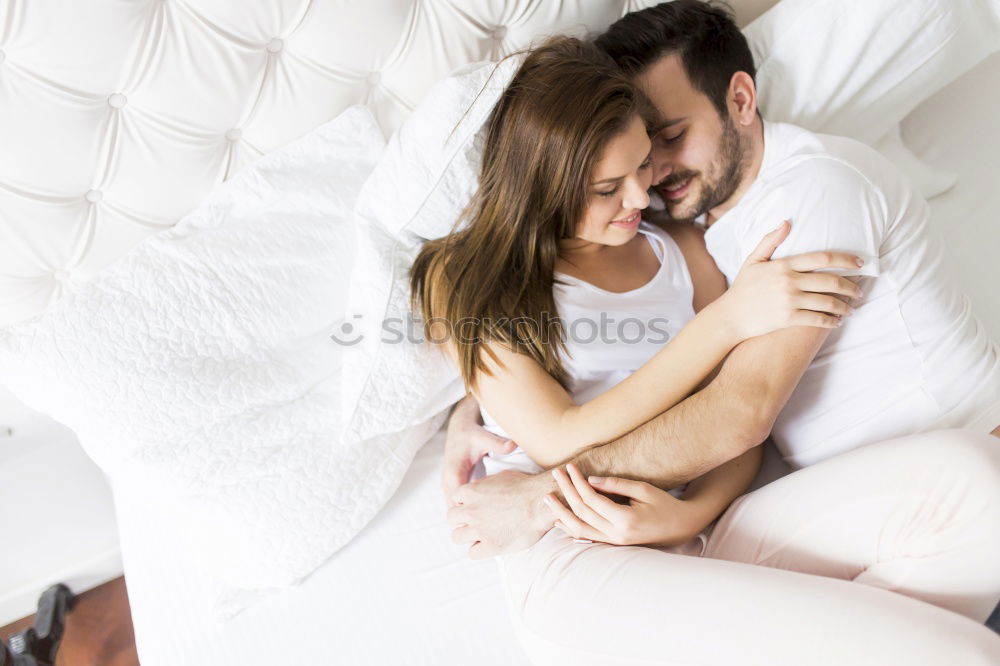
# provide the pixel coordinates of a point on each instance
(811, 160)
(816, 181)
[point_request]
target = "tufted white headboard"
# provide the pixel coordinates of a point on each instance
(119, 116)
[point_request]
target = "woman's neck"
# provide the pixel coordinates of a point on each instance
(577, 247)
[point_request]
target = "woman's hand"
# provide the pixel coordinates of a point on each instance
(651, 517)
(771, 294)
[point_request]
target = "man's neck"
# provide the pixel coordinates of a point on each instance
(755, 157)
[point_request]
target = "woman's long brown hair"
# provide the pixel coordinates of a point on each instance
(491, 281)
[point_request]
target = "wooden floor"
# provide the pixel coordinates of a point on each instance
(98, 629)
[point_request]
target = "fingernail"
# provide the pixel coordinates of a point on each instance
(555, 473)
(596, 480)
(859, 261)
(548, 500)
(861, 294)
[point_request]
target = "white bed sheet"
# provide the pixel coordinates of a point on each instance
(401, 592)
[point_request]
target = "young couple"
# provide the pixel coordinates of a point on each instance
(882, 391)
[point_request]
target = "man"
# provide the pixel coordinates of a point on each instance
(844, 405)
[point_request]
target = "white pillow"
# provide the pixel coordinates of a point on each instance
(851, 67)
(200, 366)
(857, 67)
(930, 180)
(427, 174)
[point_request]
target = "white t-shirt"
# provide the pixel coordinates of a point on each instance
(912, 357)
(611, 335)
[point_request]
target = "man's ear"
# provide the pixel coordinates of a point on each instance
(742, 98)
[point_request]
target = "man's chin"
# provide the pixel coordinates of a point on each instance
(682, 212)
(685, 208)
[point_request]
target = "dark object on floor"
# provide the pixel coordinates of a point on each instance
(37, 645)
(994, 620)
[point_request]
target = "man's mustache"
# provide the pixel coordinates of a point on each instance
(675, 178)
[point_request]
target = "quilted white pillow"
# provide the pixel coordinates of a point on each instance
(200, 366)
(851, 67)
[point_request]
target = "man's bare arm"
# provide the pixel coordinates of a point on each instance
(734, 413)
(505, 512)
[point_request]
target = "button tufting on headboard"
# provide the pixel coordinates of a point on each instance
(191, 73)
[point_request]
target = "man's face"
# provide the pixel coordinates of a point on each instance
(698, 158)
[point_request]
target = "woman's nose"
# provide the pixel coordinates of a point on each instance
(636, 194)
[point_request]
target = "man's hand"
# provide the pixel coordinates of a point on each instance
(467, 441)
(501, 513)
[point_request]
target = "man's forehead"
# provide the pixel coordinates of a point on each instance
(666, 83)
(666, 73)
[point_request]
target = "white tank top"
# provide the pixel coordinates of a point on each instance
(610, 335)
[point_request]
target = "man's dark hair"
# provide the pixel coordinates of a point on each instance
(704, 34)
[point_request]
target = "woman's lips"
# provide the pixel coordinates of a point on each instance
(628, 222)
(677, 191)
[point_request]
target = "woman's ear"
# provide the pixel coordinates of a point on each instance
(743, 98)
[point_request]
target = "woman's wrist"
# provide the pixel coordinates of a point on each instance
(722, 322)
(695, 517)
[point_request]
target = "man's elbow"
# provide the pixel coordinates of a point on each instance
(750, 426)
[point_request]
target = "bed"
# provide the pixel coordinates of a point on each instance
(402, 582)
(399, 592)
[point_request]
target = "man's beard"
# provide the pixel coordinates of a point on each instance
(723, 176)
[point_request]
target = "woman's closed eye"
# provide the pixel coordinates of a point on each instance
(645, 165)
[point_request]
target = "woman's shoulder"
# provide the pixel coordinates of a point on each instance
(708, 281)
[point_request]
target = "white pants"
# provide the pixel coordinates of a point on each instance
(910, 519)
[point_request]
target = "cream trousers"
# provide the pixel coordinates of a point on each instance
(888, 554)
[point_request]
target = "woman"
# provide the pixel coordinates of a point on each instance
(555, 244)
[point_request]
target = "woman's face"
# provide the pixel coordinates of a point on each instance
(618, 188)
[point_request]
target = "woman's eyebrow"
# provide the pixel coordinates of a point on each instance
(617, 178)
